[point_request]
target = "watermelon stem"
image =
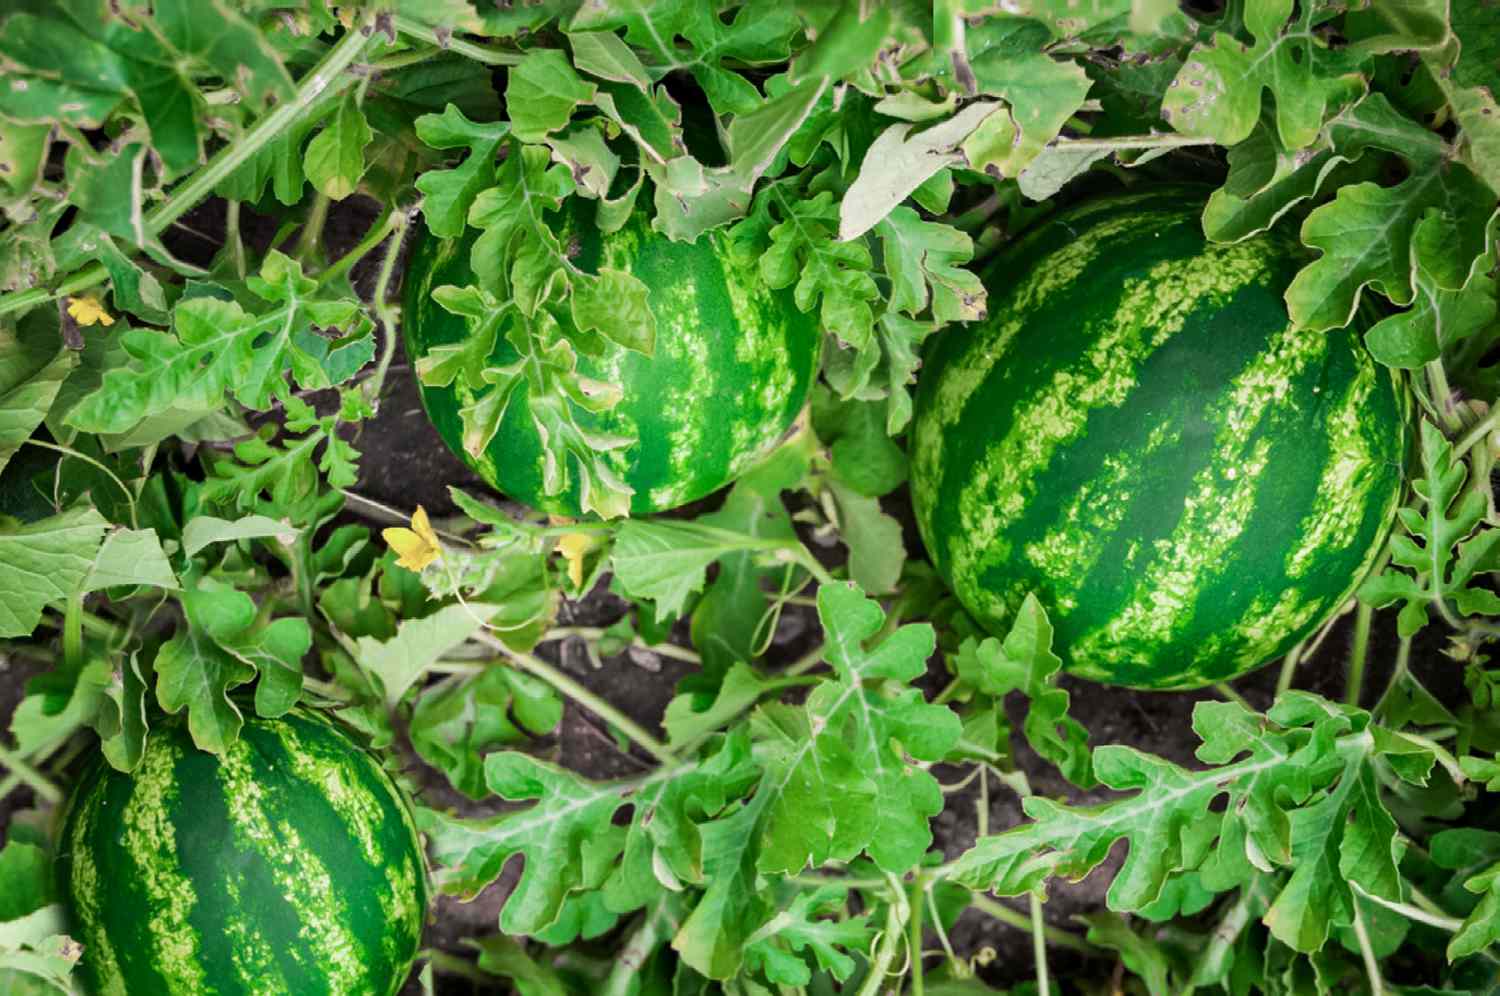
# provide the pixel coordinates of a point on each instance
(1233, 696)
(539, 668)
(1039, 944)
(23, 772)
(312, 229)
(73, 631)
(1055, 936)
(1442, 396)
(880, 965)
(918, 911)
(372, 238)
(1358, 654)
(380, 299)
(1288, 670)
(1367, 953)
(449, 964)
(1448, 923)
(452, 43)
(232, 241)
(1476, 434)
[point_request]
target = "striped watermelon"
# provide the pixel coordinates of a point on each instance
(1139, 436)
(733, 364)
(289, 865)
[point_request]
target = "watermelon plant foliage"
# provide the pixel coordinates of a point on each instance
(756, 745)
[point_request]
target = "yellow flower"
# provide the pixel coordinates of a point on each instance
(573, 547)
(88, 310)
(416, 547)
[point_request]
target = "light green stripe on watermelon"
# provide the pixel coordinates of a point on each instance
(1151, 311)
(85, 884)
(732, 366)
(305, 882)
(288, 865)
(151, 838)
(349, 793)
(1070, 551)
(252, 953)
(1349, 479)
(1214, 517)
(1188, 484)
(989, 341)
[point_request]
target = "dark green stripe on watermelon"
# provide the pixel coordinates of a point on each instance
(1138, 435)
(290, 865)
(733, 363)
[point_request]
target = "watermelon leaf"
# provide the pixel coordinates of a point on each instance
(1474, 855)
(217, 348)
(559, 837)
(1299, 783)
(1442, 546)
(802, 251)
(542, 92)
(1217, 93)
(29, 383)
(335, 158)
(810, 927)
(1024, 662)
(449, 193)
(1365, 233)
(42, 563)
(665, 561)
(225, 645)
(1455, 297)
(924, 260)
(838, 781)
(454, 726)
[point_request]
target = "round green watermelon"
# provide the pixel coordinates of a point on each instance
(288, 865)
(732, 366)
(1139, 436)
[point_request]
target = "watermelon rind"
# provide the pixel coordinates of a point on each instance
(1139, 435)
(290, 864)
(731, 369)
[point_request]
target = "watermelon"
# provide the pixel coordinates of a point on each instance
(288, 865)
(731, 369)
(1139, 436)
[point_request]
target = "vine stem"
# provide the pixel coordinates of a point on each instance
(1475, 435)
(326, 76)
(881, 963)
(1136, 142)
(1359, 654)
(1403, 662)
(387, 320)
(312, 228)
(914, 941)
(1442, 392)
(68, 451)
(73, 631)
(479, 53)
(1233, 696)
(1288, 670)
(1372, 964)
(453, 965)
(376, 235)
(1448, 923)
(24, 773)
(593, 633)
(644, 940)
(806, 662)
(539, 668)
(1039, 945)
(1009, 917)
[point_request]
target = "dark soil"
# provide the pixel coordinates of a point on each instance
(405, 463)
